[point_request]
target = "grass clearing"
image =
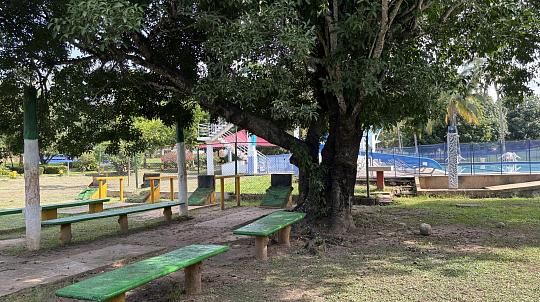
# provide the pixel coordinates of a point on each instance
(466, 259)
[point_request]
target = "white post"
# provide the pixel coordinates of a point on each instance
(252, 153)
(453, 160)
(32, 208)
(209, 159)
(182, 172)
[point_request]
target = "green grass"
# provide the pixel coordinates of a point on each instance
(251, 184)
(522, 212)
(466, 259)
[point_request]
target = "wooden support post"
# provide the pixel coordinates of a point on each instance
(123, 221)
(167, 212)
(95, 207)
(237, 189)
(121, 189)
(380, 180)
(261, 248)
(193, 279)
(49, 214)
(222, 200)
(152, 199)
(171, 182)
(119, 298)
(65, 233)
(289, 201)
(284, 236)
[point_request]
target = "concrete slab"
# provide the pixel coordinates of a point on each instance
(516, 186)
(236, 219)
(18, 276)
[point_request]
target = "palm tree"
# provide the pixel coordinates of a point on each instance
(464, 102)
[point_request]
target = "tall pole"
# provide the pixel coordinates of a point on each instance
(182, 173)
(367, 165)
(32, 208)
(235, 150)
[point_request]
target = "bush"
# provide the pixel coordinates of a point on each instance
(19, 170)
(169, 160)
(86, 162)
(54, 169)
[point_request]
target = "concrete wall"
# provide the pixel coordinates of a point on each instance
(475, 181)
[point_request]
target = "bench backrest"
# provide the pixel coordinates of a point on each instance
(114, 283)
(70, 204)
(270, 224)
(111, 213)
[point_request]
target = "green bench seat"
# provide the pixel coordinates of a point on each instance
(262, 228)
(65, 223)
(112, 286)
(50, 211)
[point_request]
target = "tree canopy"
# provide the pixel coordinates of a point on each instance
(333, 67)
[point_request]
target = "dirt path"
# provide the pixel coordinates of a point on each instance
(210, 225)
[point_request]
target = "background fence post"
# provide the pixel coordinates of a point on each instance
(530, 164)
(471, 154)
(394, 156)
(500, 148)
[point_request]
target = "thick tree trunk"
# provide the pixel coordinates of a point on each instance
(327, 189)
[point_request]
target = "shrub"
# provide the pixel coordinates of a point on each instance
(169, 160)
(86, 162)
(18, 169)
(53, 169)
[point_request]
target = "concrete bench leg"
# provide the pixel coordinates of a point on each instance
(119, 298)
(193, 279)
(167, 212)
(95, 207)
(49, 214)
(261, 248)
(123, 221)
(65, 233)
(284, 236)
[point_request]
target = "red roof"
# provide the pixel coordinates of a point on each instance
(241, 137)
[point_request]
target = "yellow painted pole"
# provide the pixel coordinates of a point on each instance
(151, 190)
(237, 189)
(171, 181)
(100, 192)
(222, 200)
(121, 189)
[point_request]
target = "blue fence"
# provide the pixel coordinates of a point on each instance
(480, 158)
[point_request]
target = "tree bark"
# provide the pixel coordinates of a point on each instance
(328, 189)
(32, 209)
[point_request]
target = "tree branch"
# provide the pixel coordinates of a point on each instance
(261, 127)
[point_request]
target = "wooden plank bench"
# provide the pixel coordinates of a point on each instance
(65, 223)
(50, 211)
(112, 286)
(264, 227)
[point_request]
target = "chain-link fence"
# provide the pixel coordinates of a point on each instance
(474, 158)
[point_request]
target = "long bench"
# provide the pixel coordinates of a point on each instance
(112, 286)
(50, 211)
(262, 228)
(65, 223)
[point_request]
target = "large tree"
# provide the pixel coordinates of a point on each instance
(332, 67)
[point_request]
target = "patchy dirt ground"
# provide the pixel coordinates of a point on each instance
(383, 259)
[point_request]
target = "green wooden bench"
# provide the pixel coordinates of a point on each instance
(65, 223)
(50, 211)
(113, 285)
(262, 228)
